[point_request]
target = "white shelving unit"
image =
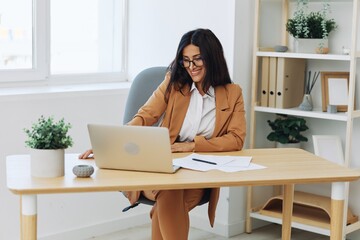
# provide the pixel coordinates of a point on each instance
(304, 55)
(315, 113)
(346, 118)
(297, 225)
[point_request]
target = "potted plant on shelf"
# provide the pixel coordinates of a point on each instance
(287, 130)
(48, 140)
(310, 27)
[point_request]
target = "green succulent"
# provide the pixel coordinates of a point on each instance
(48, 134)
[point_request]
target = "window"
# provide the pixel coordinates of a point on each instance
(61, 40)
(15, 35)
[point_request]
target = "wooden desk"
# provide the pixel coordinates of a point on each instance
(284, 167)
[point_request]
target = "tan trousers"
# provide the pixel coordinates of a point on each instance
(170, 213)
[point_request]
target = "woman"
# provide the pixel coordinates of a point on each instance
(204, 112)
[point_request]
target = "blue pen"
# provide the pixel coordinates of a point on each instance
(203, 161)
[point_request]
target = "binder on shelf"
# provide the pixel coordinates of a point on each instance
(290, 82)
(265, 66)
(272, 81)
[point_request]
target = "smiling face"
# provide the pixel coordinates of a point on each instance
(194, 65)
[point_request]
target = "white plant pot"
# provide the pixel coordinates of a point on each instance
(306, 45)
(47, 163)
(288, 145)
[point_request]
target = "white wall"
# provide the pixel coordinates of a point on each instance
(155, 29)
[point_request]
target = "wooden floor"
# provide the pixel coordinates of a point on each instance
(269, 232)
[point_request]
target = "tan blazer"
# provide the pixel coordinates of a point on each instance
(230, 126)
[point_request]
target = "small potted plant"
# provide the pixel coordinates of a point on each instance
(48, 140)
(287, 130)
(314, 25)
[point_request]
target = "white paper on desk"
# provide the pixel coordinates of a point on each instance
(252, 166)
(223, 163)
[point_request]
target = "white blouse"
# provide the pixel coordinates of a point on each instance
(200, 116)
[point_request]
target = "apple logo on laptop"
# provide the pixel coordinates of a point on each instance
(131, 148)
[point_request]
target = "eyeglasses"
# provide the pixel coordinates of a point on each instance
(197, 62)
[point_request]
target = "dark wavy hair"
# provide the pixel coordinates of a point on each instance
(212, 53)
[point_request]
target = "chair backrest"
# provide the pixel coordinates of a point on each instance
(141, 89)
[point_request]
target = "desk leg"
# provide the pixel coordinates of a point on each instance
(287, 211)
(337, 211)
(28, 221)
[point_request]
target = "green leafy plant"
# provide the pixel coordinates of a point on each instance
(48, 134)
(287, 129)
(310, 25)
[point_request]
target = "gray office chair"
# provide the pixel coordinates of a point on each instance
(141, 89)
(144, 84)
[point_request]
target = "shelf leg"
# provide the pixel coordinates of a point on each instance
(337, 211)
(248, 225)
(287, 211)
(28, 220)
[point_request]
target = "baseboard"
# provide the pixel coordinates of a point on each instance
(101, 228)
(199, 222)
(221, 229)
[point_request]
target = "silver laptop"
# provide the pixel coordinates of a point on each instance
(136, 148)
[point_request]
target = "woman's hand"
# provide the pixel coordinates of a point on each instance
(88, 154)
(183, 147)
